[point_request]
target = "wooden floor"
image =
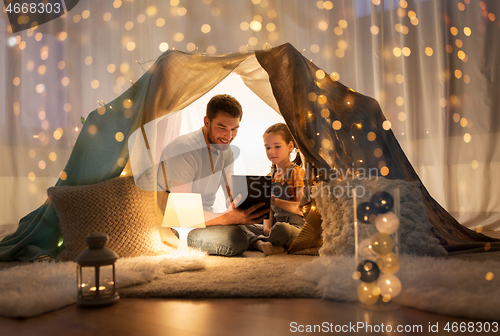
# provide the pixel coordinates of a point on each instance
(222, 317)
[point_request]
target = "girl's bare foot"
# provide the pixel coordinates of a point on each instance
(265, 247)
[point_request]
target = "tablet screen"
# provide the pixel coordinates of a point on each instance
(253, 189)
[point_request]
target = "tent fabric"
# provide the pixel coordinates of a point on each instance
(293, 78)
(173, 82)
(177, 79)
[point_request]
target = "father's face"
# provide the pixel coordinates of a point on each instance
(222, 130)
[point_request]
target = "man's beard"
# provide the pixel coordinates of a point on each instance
(212, 140)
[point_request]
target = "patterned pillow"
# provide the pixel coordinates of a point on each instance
(115, 207)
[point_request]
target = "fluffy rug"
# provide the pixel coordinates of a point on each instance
(34, 289)
(454, 286)
(248, 276)
(465, 286)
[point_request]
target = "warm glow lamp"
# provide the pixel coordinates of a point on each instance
(184, 212)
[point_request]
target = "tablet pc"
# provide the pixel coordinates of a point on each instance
(253, 189)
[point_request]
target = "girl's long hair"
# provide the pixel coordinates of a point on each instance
(282, 129)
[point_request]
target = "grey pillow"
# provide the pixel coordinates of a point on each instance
(336, 209)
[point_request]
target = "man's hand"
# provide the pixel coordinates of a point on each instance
(248, 216)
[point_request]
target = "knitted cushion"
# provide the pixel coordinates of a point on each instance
(336, 209)
(115, 207)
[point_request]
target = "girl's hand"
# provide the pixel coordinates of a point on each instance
(267, 227)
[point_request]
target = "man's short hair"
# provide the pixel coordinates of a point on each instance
(224, 103)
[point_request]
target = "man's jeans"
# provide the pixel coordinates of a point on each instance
(223, 240)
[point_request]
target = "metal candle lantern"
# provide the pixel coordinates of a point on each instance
(96, 272)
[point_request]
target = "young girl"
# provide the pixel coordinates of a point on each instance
(285, 220)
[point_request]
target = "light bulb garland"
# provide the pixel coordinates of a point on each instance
(378, 262)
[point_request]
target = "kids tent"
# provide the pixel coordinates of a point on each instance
(329, 122)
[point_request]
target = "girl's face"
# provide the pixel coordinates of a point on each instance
(277, 150)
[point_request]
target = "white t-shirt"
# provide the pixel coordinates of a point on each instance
(187, 160)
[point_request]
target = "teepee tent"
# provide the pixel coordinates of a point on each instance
(329, 121)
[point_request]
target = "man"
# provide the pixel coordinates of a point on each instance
(201, 162)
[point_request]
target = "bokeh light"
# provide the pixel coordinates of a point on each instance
(130, 46)
(40, 88)
(336, 125)
(129, 25)
(178, 37)
(160, 22)
(205, 28)
(255, 25)
(58, 133)
(151, 10)
(124, 68)
(211, 50)
(163, 46)
(119, 136)
(63, 176)
(400, 101)
(320, 74)
(92, 129)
